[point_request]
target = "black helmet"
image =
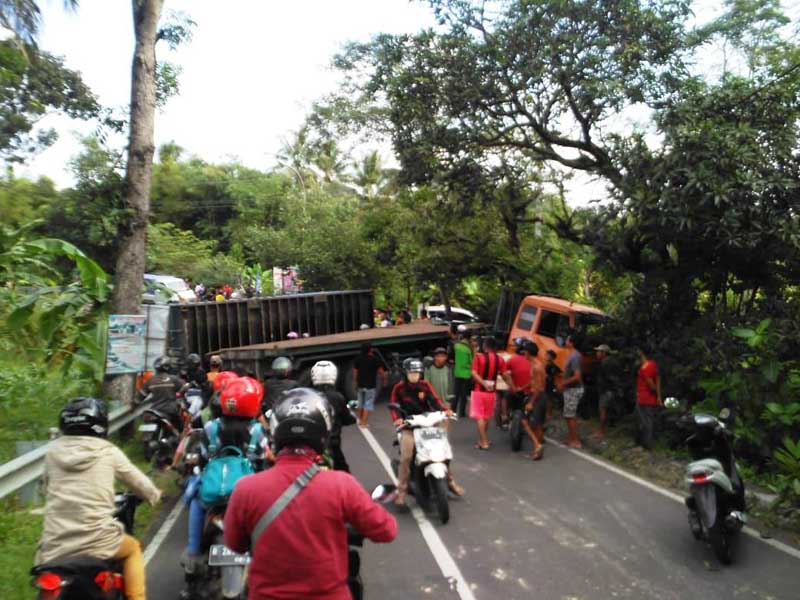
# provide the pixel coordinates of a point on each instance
(84, 416)
(282, 366)
(161, 364)
(413, 365)
(193, 360)
(302, 417)
(519, 344)
(530, 347)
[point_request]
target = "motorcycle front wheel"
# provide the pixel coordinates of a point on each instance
(515, 430)
(439, 488)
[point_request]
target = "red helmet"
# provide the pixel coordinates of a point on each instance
(258, 384)
(241, 398)
(223, 379)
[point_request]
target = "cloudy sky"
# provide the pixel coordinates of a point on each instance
(249, 74)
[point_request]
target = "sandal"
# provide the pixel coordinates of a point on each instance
(536, 454)
(479, 447)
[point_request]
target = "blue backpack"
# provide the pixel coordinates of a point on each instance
(224, 470)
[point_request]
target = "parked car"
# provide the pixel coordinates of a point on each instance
(164, 289)
(457, 315)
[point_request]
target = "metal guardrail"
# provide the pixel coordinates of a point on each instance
(29, 467)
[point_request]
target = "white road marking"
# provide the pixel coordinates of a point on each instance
(163, 532)
(447, 565)
(754, 533)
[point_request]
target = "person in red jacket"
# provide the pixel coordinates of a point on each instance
(414, 396)
(303, 552)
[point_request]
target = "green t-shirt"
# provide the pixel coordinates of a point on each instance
(463, 360)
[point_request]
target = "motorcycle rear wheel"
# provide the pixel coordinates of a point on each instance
(515, 431)
(720, 542)
(439, 487)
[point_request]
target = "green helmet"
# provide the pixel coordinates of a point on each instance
(282, 366)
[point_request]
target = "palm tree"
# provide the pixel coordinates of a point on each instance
(330, 161)
(371, 178)
(23, 17)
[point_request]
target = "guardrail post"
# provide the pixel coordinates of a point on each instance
(29, 493)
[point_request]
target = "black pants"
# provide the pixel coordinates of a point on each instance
(646, 415)
(339, 461)
(463, 387)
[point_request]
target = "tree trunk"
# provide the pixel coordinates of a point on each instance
(445, 300)
(131, 259)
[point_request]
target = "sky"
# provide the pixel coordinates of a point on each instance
(250, 73)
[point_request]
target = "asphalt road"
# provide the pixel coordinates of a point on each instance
(562, 528)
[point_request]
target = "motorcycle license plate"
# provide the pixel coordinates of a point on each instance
(432, 433)
(148, 427)
(222, 556)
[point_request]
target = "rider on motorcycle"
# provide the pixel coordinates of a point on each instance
(80, 469)
(323, 378)
(196, 375)
(280, 382)
(303, 552)
(164, 388)
(238, 426)
(415, 397)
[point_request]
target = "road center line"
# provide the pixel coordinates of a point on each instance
(447, 565)
(163, 532)
(753, 533)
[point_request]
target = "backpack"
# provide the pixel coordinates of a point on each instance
(224, 470)
(221, 474)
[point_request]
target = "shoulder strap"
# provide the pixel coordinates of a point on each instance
(282, 502)
(214, 437)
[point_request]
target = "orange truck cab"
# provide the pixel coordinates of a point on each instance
(547, 321)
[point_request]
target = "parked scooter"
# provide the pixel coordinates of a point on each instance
(84, 577)
(716, 502)
(432, 455)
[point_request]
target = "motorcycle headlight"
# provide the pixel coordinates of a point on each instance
(192, 458)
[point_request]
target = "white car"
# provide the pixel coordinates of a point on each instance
(164, 289)
(457, 315)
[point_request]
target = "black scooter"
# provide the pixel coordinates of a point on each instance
(716, 502)
(84, 577)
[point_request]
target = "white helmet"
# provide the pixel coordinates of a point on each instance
(324, 373)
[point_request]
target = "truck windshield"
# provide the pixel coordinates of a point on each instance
(526, 317)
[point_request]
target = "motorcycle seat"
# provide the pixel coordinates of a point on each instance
(74, 565)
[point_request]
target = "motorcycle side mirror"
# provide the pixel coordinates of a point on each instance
(384, 493)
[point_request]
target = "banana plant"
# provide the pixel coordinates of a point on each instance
(64, 310)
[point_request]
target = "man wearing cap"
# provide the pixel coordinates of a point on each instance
(604, 393)
(440, 376)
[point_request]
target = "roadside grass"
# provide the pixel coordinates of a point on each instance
(21, 527)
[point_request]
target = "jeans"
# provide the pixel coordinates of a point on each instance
(197, 518)
(646, 415)
(463, 387)
(130, 553)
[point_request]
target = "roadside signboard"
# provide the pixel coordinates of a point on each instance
(126, 344)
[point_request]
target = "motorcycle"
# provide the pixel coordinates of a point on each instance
(382, 494)
(84, 577)
(160, 437)
(429, 465)
(516, 410)
(716, 502)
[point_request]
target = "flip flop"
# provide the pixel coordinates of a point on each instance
(479, 447)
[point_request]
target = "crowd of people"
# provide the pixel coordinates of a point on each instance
(295, 430)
